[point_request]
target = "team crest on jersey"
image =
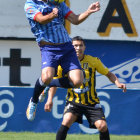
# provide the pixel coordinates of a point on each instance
(85, 66)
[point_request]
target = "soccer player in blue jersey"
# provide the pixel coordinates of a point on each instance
(84, 100)
(46, 18)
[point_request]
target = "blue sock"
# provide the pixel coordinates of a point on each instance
(61, 82)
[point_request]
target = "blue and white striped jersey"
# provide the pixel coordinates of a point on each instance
(53, 31)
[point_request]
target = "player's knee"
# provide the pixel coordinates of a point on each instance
(101, 125)
(47, 75)
(69, 119)
(77, 83)
(76, 78)
(67, 122)
(46, 79)
(102, 128)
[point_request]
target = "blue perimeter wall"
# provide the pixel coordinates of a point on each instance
(121, 110)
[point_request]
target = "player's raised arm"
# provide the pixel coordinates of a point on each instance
(77, 19)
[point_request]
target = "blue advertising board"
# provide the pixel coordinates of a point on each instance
(121, 110)
(121, 57)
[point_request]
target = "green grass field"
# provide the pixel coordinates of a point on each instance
(51, 136)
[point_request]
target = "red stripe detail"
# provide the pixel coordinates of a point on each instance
(28, 8)
(68, 14)
(36, 15)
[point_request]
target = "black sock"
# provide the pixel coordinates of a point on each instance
(62, 133)
(61, 82)
(104, 135)
(39, 87)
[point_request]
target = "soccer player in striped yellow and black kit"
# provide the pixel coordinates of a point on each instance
(84, 101)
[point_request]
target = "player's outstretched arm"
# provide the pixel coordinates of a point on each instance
(49, 103)
(77, 19)
(112, 77)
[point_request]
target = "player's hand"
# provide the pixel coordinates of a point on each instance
(48, 106)
(55, 12)
(94, 7)
(122, 86)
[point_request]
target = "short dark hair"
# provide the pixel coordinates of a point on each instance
(78, 38)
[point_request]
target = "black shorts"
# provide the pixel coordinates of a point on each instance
(92, 114)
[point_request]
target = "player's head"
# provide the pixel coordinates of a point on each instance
(56, 1)
(79, 45)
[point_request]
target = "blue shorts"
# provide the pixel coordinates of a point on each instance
(63, 55)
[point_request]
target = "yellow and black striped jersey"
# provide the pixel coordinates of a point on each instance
(86, 94)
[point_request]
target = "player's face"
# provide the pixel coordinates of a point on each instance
(79, 48)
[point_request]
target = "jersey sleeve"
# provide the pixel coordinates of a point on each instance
(66, 10)
(100, 67)
(31, 10)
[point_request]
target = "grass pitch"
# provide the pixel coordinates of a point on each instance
(51, 136)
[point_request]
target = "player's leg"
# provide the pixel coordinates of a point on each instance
(60, 82)
(46, 77)
(96, 119)
(42, 82)
(71, 65)
(48, 71)
(76, 77)
(64, 82)
(68, 119)
(103, 129)
(67, 59)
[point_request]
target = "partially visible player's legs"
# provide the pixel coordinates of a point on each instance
(41, 83)
(103, 129)
(96, 118)
(69, 63)
(76, 79)
(62, 133)
(60, 82)
(46, 77)
(74, 71)
(68, 120)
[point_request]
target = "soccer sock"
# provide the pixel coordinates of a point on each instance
(39, 87)
(61, 82)
(62, 133)
(104, 135)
